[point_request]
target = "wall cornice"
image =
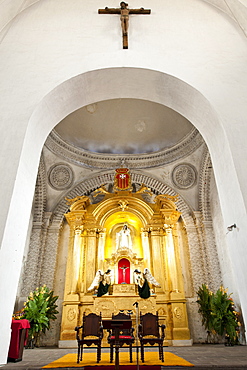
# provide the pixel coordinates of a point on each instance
(81, 157)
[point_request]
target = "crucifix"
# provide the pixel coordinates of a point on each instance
(124, 12)
(124, 268)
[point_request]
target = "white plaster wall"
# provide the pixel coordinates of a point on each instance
(49, 43)
(221, 234)
(10, 9)
(226, 265)
(236, 9)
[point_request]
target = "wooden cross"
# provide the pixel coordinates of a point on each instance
(124, 12)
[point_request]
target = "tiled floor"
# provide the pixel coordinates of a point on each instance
(202, 356)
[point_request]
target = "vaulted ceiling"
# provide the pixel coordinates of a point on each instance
(124, 126)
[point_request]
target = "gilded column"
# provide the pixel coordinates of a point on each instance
(180, 330)
(75, 260)
(171, 259)
(71, 296)
(146, 248)
(81, 278)
(177, 303)
(156, 234)
(101, 244)
(90, 258)
(76, 219)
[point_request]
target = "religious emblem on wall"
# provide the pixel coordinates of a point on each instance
(184, 176)
(60, 176)
(122, 180)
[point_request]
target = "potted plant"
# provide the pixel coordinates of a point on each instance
(39, 310)
(205, 306)
(218, 314)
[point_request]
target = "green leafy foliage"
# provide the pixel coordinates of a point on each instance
(218, 314)
(205, 306)
(39, 310)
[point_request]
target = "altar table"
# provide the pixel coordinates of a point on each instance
(19, 336)
(117, 325)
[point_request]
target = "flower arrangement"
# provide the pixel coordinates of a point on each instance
(18, 315)
(39, 310)
(218, 313)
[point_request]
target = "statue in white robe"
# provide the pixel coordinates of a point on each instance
(123, 238)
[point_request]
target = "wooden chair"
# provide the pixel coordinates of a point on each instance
(125, 336)
(91, 332)
(149, 332)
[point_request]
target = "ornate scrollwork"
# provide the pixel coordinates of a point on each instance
(123, 204)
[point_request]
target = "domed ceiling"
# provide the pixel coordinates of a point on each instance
(124, 126)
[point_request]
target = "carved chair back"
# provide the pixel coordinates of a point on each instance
(91, 325)
(149, 333)
(150, 324)
(90, 332)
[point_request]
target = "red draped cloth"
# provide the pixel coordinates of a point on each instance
(124, 265)
(18, 338)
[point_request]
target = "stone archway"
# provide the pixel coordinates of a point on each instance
(89, 88)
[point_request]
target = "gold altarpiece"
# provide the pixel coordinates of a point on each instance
(92, 246)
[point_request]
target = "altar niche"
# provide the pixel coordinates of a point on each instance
(124, 271)
(124, 233)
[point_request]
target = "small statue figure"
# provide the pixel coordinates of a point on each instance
(101, 282)
(124, 268)
(124, 17)
(124, 12)
(123, 238)
(143, 280)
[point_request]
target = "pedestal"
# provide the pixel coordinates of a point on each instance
(19, 336)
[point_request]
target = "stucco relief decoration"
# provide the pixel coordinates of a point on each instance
(71, 314)
(105, 306)
(178, 313)
(162, 312)
(184, 176)
(60, 176)
(148, 306)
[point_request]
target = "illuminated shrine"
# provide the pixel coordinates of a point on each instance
(125, 231)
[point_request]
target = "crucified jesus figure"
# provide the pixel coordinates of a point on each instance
(124, 12)
(124, 268)
(124, 17)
